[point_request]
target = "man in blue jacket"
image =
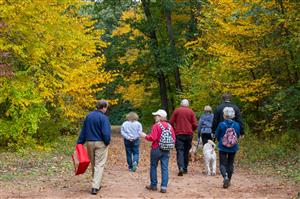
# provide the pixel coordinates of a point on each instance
(96, 131)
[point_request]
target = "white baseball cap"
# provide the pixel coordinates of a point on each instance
(161, 113)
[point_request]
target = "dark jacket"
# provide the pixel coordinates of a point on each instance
(218, 116)
(220, 132)
(96, 127)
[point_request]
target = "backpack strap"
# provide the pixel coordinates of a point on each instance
(231, 126)
(163, 128)
(169, 127)
(160, 125)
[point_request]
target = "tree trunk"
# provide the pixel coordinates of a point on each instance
(195, 7)
(163, 91)
(173, 48)
(287, 32)
(160, 75)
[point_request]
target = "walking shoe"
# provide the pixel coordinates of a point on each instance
(134, 165)
(226, 182)
(180, 173)
(151, 188)
(94, 191)
(163, 190)
(184, 171)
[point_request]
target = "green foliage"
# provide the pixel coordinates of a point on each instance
(54, 56)
(280, 152)
(52, 128)
(24, 109)
(118, 112)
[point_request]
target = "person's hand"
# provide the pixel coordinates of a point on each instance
(143, 135)
(213, 136)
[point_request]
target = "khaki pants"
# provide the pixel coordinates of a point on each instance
(98, 152)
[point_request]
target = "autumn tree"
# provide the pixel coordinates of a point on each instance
(245, 48)
(149, 42)
(57, 69)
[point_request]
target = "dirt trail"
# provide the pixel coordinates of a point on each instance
(118, 182)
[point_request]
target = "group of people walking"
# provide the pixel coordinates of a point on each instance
(164, 135)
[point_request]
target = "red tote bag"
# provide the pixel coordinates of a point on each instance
(80, 159)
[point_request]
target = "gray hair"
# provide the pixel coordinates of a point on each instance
(228, 113)
(207, 108)
(132, 116)
(184, 102)
(101, 104)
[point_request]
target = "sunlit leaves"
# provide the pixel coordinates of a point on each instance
(57, 67)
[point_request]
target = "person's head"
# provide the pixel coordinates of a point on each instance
(228, 113)
(184, 102)
(102, 105)
(160, 115)
(207, 109)
(226, 97)
(132, 116)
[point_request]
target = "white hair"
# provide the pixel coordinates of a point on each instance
(184, 102)
(229, 113)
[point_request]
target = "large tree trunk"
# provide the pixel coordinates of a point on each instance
(173, 48)
(163, 91)
(160, 75)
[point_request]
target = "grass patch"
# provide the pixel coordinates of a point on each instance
(279, 156)
(51, 159)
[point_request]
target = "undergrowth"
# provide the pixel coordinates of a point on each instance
(275, 155)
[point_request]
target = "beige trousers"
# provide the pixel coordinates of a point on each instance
(98, 153)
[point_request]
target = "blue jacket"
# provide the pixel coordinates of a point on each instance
(221, 131)
(96, 127)
(205, 123)
(218, 116)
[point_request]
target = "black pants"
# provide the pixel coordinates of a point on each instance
(226, 163)
(205, 137)
(183, 145)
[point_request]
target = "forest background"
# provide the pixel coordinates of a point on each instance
(57, 57)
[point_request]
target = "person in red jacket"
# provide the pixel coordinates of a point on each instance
(184, 122)
(158, 154)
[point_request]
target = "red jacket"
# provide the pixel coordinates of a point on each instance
(184, 121)
(155, 134)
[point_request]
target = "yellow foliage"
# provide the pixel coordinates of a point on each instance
(132, 14)
(56, 48)
(230, 56)
(130, 56)
(135, 93)
(122, 30)
(125, 27)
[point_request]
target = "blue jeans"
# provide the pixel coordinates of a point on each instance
(132, 151)
(163, 156)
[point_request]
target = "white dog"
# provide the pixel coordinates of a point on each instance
(210, 157)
